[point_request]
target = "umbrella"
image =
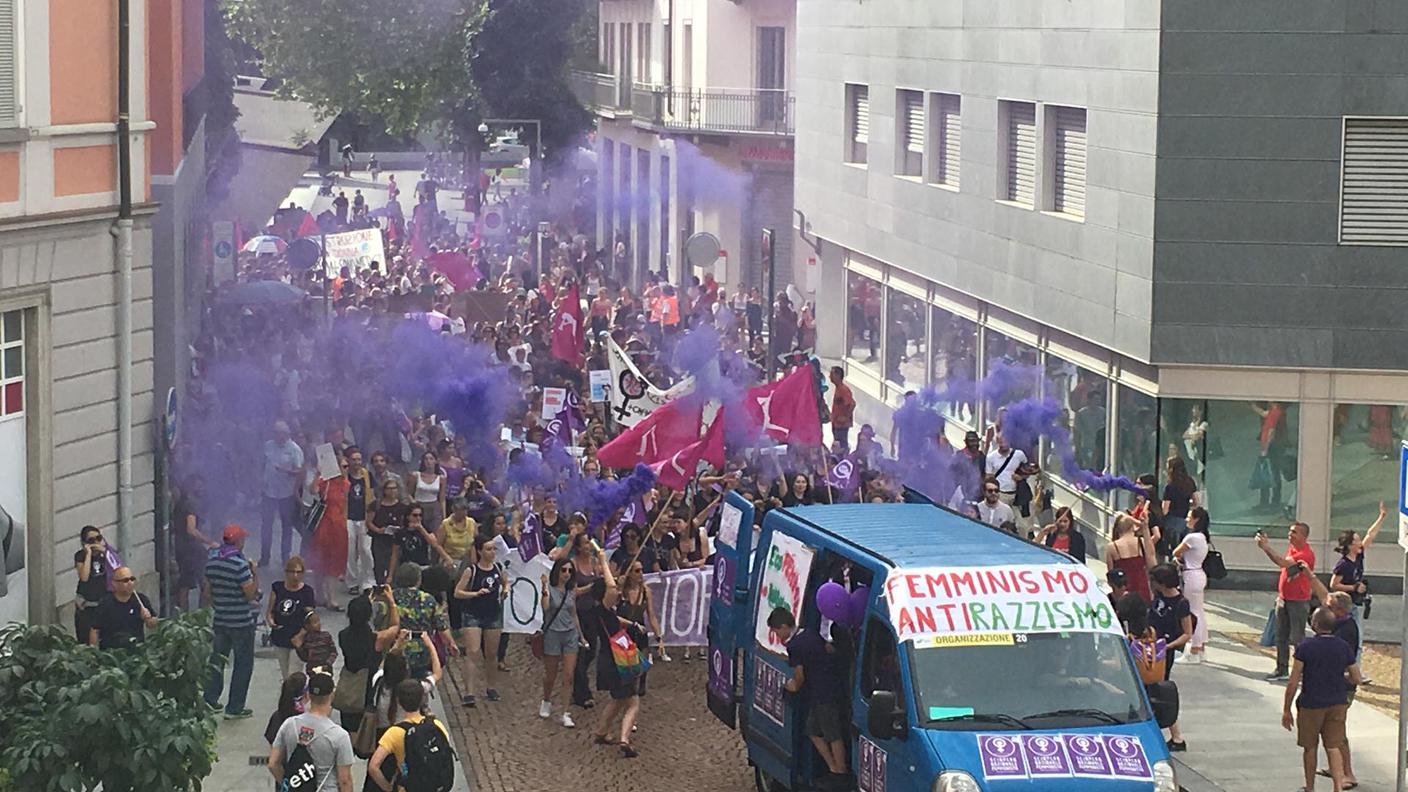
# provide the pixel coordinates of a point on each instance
(265, 243)
(261, 293)
(435, 319)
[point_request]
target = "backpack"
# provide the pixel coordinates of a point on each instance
(1150, 657)
(300, 772)
(430, 761)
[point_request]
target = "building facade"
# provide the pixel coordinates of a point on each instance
(1183, 212)
(695, 129)
(61, 285)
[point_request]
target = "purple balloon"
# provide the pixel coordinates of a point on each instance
(833, 601)
(855, 612)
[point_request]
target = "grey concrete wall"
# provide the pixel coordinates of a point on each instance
(67, 271)
(1247, 266)
(1091, 278)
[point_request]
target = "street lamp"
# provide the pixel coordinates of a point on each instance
(534, 166)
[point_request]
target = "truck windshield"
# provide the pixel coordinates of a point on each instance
(1038, 681)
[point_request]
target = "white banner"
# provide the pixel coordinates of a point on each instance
(523, 609)
(355, 250)
(631, 397)
(681, 599)
(946, 606)
(785, 574)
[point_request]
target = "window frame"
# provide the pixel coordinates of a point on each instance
(857, 148)
(910, 164)
(944, 167)
(1008, 162)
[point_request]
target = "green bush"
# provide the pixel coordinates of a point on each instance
(73, 716)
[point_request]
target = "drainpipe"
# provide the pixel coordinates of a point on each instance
(123, 232)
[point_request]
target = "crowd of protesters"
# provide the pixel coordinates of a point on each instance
(402, 536)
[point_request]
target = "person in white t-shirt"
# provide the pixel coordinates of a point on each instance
(991, 509)
(1002, 465)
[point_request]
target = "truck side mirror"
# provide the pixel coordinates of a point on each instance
(884, 718)
(1163, 697)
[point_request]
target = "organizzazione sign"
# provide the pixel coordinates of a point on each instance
(932, 606)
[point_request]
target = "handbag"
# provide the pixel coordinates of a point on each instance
(1268, 633)
(314, 515)
(630, 662)
(364, 741)
(1213, 566)
(350, 695)
(1261, 477)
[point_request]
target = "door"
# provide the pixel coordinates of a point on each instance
(880, 669)
(728, 606)
(772, 77)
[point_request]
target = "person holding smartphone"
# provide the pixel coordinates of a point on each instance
(1292, 593)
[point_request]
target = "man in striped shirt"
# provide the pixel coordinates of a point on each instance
(233, 589)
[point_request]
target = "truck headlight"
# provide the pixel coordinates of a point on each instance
(1165, 779)
(957, 781)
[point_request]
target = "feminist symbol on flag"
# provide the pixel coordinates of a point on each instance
(765, 402)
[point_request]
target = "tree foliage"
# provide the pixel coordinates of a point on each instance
(400, 61)
(73, 716)
(519, 58)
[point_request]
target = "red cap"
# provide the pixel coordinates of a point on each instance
(233, 533)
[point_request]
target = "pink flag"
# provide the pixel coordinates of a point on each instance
(676, 471)
(658, 436)
(786, 409)
(567, 330)
(421, 218)
(456, 266)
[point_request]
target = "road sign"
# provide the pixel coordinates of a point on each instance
(170, 427)
(222, 246)
(1403, 496)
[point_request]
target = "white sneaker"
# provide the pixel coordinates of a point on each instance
(664, 658)
(567, 721)
(545, 710)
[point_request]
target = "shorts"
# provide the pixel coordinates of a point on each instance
(557, 644)
(623, 689)
(1321, 724)
(471, 621)
(824, 721)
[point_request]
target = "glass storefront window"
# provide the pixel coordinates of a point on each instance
(955, 358)
(1224, 444)
(1022, 378)
(1137, 438)
(863, 320)
(1364, 464)
(905, 341)
(1081, 393)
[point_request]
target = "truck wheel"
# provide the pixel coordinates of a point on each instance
(765, 782)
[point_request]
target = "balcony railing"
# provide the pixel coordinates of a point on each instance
(598, 91)
(719, 110)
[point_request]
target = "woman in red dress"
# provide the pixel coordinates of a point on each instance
(328, 556)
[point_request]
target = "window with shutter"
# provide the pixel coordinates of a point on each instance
(1374, 182)
(909, 126)
(858, 108)
(9, 73)
(1020, 150)
(947, 134)
(1068, 193)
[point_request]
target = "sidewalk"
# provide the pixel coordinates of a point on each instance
(240, 749)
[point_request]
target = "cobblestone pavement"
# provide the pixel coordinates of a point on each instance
(683, 748)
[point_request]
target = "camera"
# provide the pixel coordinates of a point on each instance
(1367, 605)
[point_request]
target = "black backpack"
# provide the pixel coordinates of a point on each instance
(430, 761)
(299, 771)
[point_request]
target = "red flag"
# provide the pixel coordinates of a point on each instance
(308, 226)
(567, 330)
(786, 409)
(676, 471)
(456, 266)
(670, 428)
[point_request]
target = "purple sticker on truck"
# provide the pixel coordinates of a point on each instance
(1002, 757)
(1087, 753)
(1046, 756)
(1127, 759)
(870, 770)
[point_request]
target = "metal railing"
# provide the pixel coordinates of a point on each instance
(598, 91)
(724, 110)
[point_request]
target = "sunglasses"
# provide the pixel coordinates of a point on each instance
(132, 579)
(989, 492)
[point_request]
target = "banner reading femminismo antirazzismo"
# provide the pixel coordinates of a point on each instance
(935, 603)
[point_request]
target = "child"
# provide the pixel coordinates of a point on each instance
(315, 646)
(291, 701)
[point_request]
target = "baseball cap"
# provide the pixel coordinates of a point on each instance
(320, 681)
(1116, 577)
(233, 533)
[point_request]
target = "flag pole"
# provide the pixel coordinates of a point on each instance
(826, 462)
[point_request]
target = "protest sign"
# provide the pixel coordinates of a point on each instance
(681, 599)
(327, 462)
(523, 610)
(355, 250)
(553, 401)
(601, 383)
(788, 565)
(942, 606)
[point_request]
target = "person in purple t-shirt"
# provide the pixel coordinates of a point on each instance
(1323, 665)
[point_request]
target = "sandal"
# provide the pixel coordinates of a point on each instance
(601, 739)
(627, 752)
